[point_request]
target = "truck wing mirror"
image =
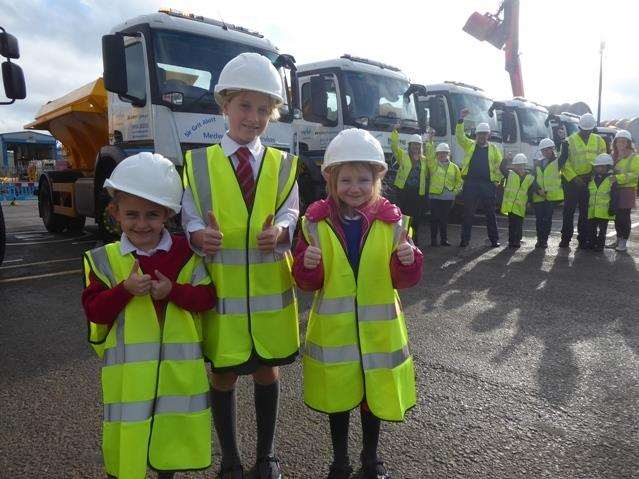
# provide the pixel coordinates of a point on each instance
(9, 46)
(13, 80)
(319, 97)
(114, 63)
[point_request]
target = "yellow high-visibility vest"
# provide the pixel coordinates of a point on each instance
(581, 155)
(406, 165)
(627, 171)
(599, 200)
(154, 383)
(441, 177)
(356, 342)
(256, 310)
(549, 180)
(516, 194)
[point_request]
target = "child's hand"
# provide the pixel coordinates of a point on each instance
(312, 256)
(161, 288)
(211, 236)
(405, 252)
(270, 235)
(137, 284)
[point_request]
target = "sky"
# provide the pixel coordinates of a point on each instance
(60, 43)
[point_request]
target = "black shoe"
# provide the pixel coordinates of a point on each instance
(538, 244)
(564, 243)
(513, 245)
(373, 470)
(267, 468)
(444, 243)
(235, 471)
(495, 244)
(463, 244)
(339, 471)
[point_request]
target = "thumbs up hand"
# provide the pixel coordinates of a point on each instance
(312, 256)
(161, 287)
(211, 236)
(269, 236)
(405, 252)
(137, 284)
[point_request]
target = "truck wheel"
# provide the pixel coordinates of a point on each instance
(108, 229)
(3, 236)
(53, 222)
(77, 224)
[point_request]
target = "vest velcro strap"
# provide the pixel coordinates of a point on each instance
(199, 274)
(258, 304)
(128, 411)
(332, 354)
(335, 305)
(134, 353)
(377, 312)
(182, 404)
(230, 256)
(385, 360)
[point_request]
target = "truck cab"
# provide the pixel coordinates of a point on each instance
(523, 125)
(160, 71)
(440, 105)
(349, 92)
(563, 125)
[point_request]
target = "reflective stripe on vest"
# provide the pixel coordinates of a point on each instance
(254, 288)
(627, 171)
(599, 200)
(516, 194)
(549, 180)
(356, 341)
(154, 380)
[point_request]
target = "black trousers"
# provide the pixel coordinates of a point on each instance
(575, 196)
(543, 219)
(414, 206)
(622, 223)
(598, 230)
(439, 211)
(477, 193)
(515, 228)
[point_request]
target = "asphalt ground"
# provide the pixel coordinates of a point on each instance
(527, 365)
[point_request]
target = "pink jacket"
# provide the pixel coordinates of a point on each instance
(382, 210)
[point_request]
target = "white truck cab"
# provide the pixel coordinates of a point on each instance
(160, 71)
(440, 105)
(523, 124)
(349, 92)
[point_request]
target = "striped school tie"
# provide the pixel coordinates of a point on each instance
(245, 175)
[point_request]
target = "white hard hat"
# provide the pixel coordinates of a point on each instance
(587, 122)
(546, 143)
(353, 145)
(519, 159)
(415, 139)
(149, 176)
(624, 134)
(602, 160)
(442, 147)
(250, 72)
(482, 128)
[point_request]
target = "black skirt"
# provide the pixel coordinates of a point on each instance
(252, 364)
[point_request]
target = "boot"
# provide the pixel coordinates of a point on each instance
(622, 245)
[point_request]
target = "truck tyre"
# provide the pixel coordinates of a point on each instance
(77, 224)
(3, 236)
(53, 222)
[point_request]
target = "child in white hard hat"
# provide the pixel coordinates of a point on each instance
(547, 190)
(626, 160)
(142, 297)
(601, 201)
(516, 198)
(354, 252)
(411, 179)
(240, 210)
(445, 184)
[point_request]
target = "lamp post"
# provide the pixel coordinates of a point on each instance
(602, 46)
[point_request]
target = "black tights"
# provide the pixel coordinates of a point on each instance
(339, 435)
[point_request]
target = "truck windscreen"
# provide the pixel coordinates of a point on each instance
(478, 107)
(377, 101)
(532, 125)
(189, 65)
